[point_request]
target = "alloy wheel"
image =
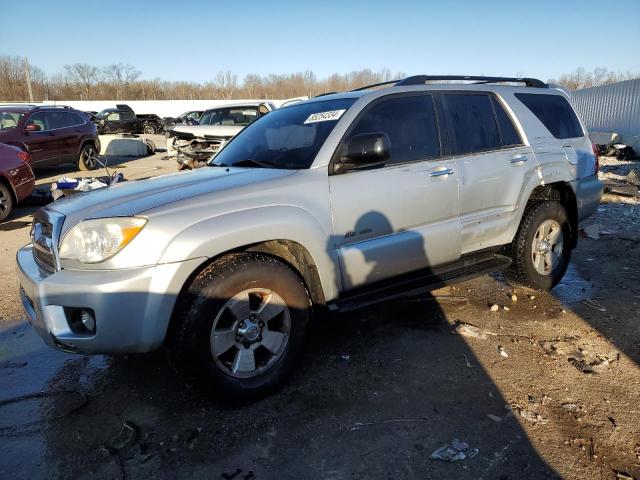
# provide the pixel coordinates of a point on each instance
(546, 248)
(250, 332)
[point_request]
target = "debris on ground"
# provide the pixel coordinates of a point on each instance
(495, 418)
(589, 302)
(592, 231)
(585, 356)
(532, 417)
(454, 452)
(66, 187)
(502, 351)
(471, 331)
(494, 307)
(514, 298)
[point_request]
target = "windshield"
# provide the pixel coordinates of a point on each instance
(286, 138)
(9, 120)
(104, 113)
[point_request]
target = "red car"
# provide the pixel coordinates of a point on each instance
(52, 135)
(16, 178)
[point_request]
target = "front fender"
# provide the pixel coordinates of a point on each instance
(215, 236)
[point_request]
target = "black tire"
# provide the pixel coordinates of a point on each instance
(523, 268)
(149, 129)
(6, 202)
(88, 158)
(201, 308)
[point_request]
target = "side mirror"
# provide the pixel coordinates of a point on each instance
(366, 150)
(32, 127)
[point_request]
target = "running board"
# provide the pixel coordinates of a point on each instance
(422, 282)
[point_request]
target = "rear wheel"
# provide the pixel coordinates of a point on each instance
(149, 129)
(6, 202)
(542, 247)
(88, 159)
(240, 326)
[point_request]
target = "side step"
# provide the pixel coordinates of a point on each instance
(423, 281)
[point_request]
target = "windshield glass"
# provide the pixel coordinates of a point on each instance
(9, 120)
(286, 138)
(104, 112)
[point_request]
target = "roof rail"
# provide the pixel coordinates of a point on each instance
(420, 79)
(373, 85)
(53, 106)
(325, 94)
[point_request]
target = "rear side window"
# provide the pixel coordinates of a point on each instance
(411, 124)
(65, 119)
(508, 133)
(554, 112)
(473, 121)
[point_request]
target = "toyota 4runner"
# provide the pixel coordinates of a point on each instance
(337, 202)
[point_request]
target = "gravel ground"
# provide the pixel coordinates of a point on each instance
(377, 392)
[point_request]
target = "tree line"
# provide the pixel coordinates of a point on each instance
(82, 81)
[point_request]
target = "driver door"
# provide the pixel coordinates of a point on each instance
(402, 217)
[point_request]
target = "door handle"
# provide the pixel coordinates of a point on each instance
(519, 159)
(441, 173)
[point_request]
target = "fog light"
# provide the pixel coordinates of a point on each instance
(81, 320)
(87, 320)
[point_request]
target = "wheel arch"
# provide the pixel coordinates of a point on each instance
(563, 193)
(5, 181)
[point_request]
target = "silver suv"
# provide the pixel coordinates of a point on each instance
(337, 202)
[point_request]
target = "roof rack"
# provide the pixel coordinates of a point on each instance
(52, 106)
(421, 79)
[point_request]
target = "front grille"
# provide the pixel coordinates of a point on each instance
(44, 258)
(43, 233)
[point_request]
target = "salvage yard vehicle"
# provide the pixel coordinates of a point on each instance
(16, 178)
(190, 117)
(51, 135)
(196, 144)
(330, 204)
(123, 119)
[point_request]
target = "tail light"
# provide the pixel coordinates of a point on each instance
(24, 156)
(597, 155)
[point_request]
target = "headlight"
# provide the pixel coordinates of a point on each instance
(93, 241)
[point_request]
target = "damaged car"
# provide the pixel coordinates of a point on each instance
(194, 145)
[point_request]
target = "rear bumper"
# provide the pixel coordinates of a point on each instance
(132, 308)
(588, 191)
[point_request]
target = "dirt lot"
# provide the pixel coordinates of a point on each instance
(377, 393)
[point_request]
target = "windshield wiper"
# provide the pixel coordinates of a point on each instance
(250, 162)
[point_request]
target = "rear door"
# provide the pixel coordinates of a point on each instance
(67, 125)
(44, 145)
(401, 217)
(492, 162)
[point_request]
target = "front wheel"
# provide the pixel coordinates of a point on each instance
(542, 247)
(240, 326)
(149, 129)
(6, 202)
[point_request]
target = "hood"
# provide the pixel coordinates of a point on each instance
(207, 130)
(137, 196)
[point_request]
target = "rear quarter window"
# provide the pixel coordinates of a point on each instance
(555, 112)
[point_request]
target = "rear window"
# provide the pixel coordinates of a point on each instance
(554, 112)
(474, 123)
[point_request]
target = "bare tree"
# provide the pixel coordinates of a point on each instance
(121, 76)
(84, 77)
(226, 83)
(581, 78)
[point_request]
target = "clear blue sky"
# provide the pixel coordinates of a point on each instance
(192, 40)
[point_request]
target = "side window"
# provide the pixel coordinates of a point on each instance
(42, 119)
(127, 116)
(114, 117)
(508, 133)
(554, 112)
(65, 119)
(473, 121)
(411, 124)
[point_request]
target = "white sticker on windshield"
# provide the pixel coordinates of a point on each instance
(324, 116)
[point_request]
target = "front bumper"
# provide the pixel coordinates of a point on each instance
(588, 191)
(132, 307)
